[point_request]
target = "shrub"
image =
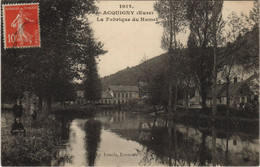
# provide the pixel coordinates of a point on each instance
(24, 151)
(38, 147)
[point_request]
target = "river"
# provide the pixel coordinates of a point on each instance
(118, 138)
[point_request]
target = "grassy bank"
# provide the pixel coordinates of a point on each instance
(230, 123)
(37, 147)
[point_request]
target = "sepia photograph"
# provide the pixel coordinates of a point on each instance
(129, 83)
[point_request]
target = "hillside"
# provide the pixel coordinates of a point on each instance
(131, 76)
(245, 49)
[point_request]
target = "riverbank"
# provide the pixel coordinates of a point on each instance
(239, 120)
(181, 114)
(38, 147)
(230, 123)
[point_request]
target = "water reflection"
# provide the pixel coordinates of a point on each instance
(120, 138)
(170, 142)
(71, 151)
(205, 155)
(92, 139)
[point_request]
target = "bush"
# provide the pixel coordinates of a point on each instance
(38, 147)
(22, 151)
(200, 111)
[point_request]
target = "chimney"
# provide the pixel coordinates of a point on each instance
(235, 79)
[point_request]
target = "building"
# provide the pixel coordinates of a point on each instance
(80, 94)
(238, 92)
(238, 73)
(244, 86)
(80, 97)
(106, 98)
(115, 94)
(123, 93)
(119, 94)
(194, 99)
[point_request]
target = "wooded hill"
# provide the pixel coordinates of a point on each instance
(132, 76)
(245, 47)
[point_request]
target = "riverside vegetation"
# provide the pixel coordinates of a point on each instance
(38, 147)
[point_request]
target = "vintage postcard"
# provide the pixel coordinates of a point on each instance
(129, 83)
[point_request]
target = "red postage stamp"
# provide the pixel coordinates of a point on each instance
(21, 25)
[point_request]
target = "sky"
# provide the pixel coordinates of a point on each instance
(128, 42)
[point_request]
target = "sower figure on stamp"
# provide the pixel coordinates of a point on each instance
(19, 22)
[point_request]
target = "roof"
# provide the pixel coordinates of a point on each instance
(252, 77)
(123, 88)
(232, 89)
(106, 95)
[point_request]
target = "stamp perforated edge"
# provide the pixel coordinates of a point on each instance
(4, 29)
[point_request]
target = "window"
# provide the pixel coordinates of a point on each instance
(118, 95)
(243, 99)
(126, 95)
(123, 95)
(130, 95)
(114, 94)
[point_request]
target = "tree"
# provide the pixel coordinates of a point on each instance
(66, 93)
(235, 27)
(249, 39)
(15, 80)
(185, 75)
(216, 35)
(155, 83)
(155, 80)
(237, 33)
(171, 14)
(92, 82)
(201, 17)
(217, 27)
(253, 19)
